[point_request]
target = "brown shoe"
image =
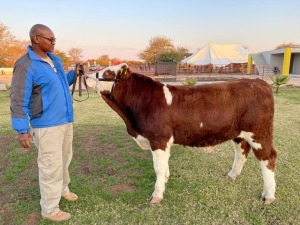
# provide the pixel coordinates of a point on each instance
(71, 197)
(60, 216)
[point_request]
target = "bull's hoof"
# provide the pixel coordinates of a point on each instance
(268, 201)
(229, 177)
(155, 200)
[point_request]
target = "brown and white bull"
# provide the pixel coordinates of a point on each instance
(159, 115)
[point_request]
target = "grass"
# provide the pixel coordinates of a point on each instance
(114, 178)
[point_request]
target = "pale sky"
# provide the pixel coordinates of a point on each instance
(123, 28)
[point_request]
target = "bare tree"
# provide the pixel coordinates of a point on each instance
(287, 45)
(75, 55)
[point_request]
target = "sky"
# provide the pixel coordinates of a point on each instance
(123, 28)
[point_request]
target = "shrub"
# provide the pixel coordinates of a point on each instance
(189, 81)
(278, 81)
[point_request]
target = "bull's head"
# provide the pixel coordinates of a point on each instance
(103, 81)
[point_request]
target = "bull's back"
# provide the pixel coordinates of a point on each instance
(210, 114)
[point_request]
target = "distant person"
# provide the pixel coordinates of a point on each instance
(40, 99)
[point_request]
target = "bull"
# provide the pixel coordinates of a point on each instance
(159, 115)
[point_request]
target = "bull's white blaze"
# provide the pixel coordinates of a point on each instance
(239, 161)
(99, 86)
(142, 142)
(269, 180)
(168, 95)
(161, 167)
(201, 125)
(248, 137)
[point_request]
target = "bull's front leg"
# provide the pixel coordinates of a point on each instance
(161, 167)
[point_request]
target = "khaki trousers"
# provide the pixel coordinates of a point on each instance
(55, 152)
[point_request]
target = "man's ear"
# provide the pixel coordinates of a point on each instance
(35, 39)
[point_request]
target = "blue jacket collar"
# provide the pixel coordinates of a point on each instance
(34, 56)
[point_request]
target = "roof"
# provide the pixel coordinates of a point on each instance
(218, 54)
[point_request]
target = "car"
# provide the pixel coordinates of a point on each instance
(72, 67)
(93, 67)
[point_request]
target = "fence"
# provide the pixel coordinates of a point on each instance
(206, 72)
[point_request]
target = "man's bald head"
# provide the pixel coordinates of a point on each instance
(38, 29)
(42, 39)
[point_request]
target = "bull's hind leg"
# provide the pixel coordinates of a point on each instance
(161, 167)
(267, 157)
(242, 149)
(266, 154)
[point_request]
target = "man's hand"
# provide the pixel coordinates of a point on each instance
(78, 69)
(25, 140)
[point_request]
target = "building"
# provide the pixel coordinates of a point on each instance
(281, 61)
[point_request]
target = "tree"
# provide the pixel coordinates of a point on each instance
(170, 56)
(5, 39)
(184, 51)
(75, 55)
(287, 45)
(14, 51)
(10, 48)
(104, 60)
(65, 59)
(157, 45)
(174, 55)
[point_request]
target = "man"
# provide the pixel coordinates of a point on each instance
(40, 99)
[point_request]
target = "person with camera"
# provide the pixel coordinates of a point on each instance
(42, 112)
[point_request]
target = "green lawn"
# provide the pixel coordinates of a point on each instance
(114, 178)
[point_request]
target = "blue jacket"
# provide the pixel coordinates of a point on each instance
(39, 95)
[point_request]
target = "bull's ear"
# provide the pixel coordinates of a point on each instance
(123, 71)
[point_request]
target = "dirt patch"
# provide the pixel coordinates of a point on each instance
(91, 144)
(32, 219)
(6, 215)
(119, 188)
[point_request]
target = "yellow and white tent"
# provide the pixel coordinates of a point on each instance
(218, 54)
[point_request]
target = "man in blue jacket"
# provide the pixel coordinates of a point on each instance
(42, 111)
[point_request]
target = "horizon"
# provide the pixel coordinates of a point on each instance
(123, 29)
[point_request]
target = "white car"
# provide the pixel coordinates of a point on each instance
(93, 67)
(71, 67)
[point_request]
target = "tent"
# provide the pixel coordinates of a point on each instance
(218, 54)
